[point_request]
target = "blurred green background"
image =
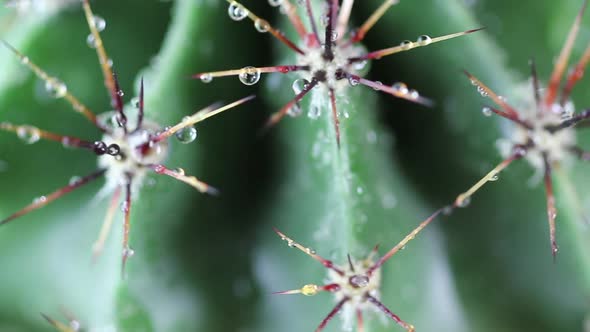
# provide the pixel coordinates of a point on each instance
(207, 263)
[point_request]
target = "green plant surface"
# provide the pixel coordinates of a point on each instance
(206, 263)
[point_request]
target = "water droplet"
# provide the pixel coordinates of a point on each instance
(28, 134)
(120, 93)
(299, 85)
(519, 151)
(406, 45)
(360, 65)
(179, 171)
(91, 41)
(359, 281)
(99, 23)
(487, 111)
(56, 88)
(261, 25)
(186, 135)
(236, 11)
(100, 147)
(334, 35)
(114, 121)
(128, 252)
(113, 150)
(378, 85)
(424, 40)
(353, 81)
(447, 210)
(413, 94)
(249, 75)
(125, 206)
(495, 177)
(464, 202)
(295, 110)
(74, 180)
(109, 62)
(40, 200)
(310, 251)
(290, 243)
(75, 325)
(482, 91)
(275, 3)
(309, 290)
(25, 60)
(400, 88)
(314, 112)
(359, 190)
(324, 20)
(135, 102)
(206, 78)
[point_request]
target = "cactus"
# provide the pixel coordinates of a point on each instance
(212, 263)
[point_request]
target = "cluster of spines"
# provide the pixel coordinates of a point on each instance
(335, 36)
(31, 134)
(555, 94)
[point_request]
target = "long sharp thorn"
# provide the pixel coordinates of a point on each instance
(576, 74)
(328, 42)
(390, 314)
(190, 180)
(461, 200)
(510, 117)
(98, 245)
(404, 241)
(126, 225)
(310, 290)
(331, 314)
(262, 70)
(335, 116)
(141, 106)
(292, 243)
(551, 210)
(350, 263)
(118, 104)
(56, 324)
(312, 22)
(263, 25)
(576, 119)
(562, 60)
(412, 96)
(44, 200)
(200, 116)
(536, 88)
(344, 17)
(103, 58)
(493, 96)
(291, 12)
(406, 47)
(26, 130)
(56, 85)
(374, 18)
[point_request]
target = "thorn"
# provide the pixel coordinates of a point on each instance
(409, 46)
(308, 251)
(39, 203)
